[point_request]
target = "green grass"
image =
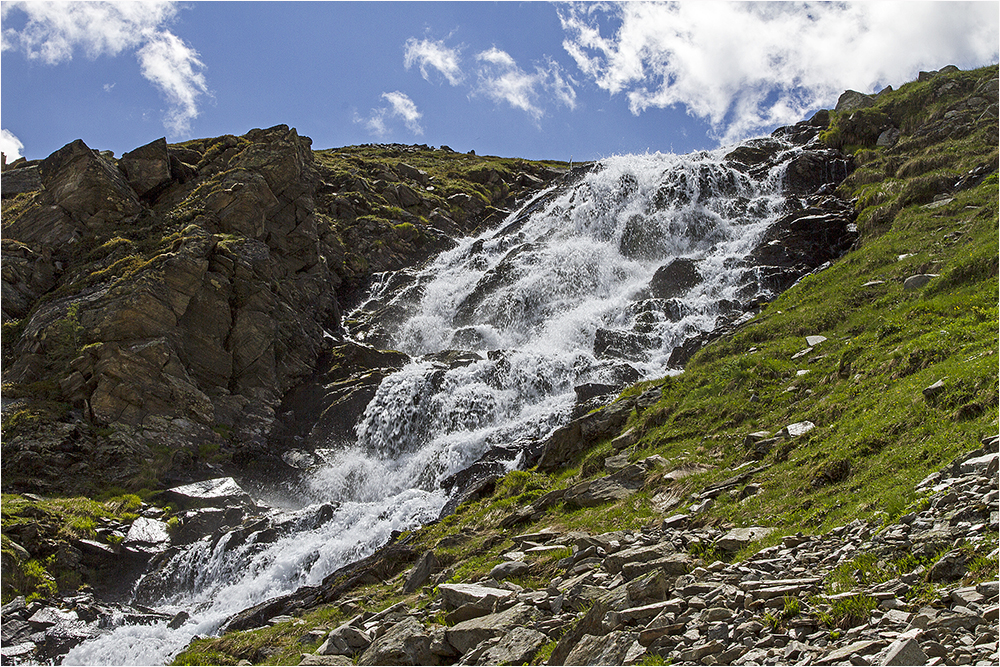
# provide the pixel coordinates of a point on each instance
(58, 521)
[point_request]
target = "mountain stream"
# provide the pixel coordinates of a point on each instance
(557, 296)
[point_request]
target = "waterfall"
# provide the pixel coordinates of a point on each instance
(557, 296)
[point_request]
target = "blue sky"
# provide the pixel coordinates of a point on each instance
(536, 80)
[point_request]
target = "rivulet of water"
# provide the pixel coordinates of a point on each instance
(533, 299)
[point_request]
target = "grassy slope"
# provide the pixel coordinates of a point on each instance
(876, 433)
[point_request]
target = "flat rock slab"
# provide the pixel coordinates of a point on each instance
(468, 634)
(918, 281)
(863, 647)
(610, 649)
(456, 595)
(314, 659)
(147, 531)
(738, 538)
(210, 491)
(516, 647)
(797, 429)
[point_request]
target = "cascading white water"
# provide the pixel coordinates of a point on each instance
(531, 298)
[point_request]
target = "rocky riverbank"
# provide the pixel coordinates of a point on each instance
(913, 591)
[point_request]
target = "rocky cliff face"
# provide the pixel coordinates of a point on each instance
(158, 307)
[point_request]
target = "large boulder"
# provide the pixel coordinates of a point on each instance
(808, 171)
(674, 279)
(468, 634)
(147, 168)
(405, 643)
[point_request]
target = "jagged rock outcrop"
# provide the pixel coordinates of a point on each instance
(205, 304)
(177, 295)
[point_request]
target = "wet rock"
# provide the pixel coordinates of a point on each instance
(218, 492)
(674, 279)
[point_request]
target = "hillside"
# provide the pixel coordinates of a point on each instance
(817, 425)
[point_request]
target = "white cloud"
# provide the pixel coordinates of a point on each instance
(400, 106)
(10, 145)
(745, 67)
(55, 31)
(174, 68)
(427, 53)
(497, 75)
(501, 79)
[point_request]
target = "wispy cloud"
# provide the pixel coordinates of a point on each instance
(10, 145)
(744, 67)
(56, 31)
(427, 54)
(501, 79)
(496, 75)
(400, 106)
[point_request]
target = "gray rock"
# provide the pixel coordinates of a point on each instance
(700, 651)
(421, 572)
(218, 492)
(797, 429)
(516, 647)
(737, 538)
(904, 652)
(510, 568)
(852, 100)
(316, 659)
(609, 649)
(917, 281)
(405, 643)
(468, 634)
(345, 640)
(888, 138)
(614, 562)
(147, 531)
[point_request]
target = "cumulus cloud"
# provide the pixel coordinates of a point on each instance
(501, 79)
(10, 145)
(400, 106)
(744, 67)
(55, 31)
(427, 54)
